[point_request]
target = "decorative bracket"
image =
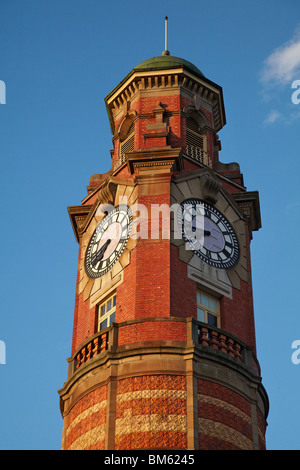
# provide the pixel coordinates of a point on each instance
(211, 187)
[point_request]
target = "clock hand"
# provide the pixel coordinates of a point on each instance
(100, 253)
(206, 233)
(194, 227)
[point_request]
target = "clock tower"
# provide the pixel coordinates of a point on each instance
(164, 352)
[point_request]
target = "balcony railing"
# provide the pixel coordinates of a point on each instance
(206, 339)
(225, 343)
(219, 341)
(198, 154)
(92, 348)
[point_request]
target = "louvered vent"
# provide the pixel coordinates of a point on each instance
(127, 145)
(195, 142)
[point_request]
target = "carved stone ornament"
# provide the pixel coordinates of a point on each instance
(107, 193)
(211, 187)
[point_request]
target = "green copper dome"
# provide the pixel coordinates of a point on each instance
(166, 62)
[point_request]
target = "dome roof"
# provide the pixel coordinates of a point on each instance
(166, 62)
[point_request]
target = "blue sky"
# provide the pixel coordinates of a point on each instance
(59, 59)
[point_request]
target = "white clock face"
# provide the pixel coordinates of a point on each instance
(108, 241)
(208, 233)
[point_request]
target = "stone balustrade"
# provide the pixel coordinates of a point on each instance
(226, 343)
(205, 339)
(219, 341)
(91, 349)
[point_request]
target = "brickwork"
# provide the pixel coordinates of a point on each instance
(86, 422)
(126, 292)
(152, 331)
(237, 315)
(153, 269)
(262, 425)
(85, 320)
(151, 413)
(224, 419)
(183, 289)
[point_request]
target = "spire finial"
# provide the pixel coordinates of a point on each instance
(166, 52)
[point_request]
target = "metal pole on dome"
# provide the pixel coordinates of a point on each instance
(166, 52)
(166, 33)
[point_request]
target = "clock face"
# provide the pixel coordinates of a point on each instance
(208, 233)
(108, 241)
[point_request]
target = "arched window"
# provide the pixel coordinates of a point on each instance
(196, 146)
(126, 135)
(127, 145)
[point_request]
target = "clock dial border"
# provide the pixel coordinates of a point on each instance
(222, 259)
(126, 224)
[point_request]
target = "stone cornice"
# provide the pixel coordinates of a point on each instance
(154, 159)
(78, 215)
(164, 81)
(249, 203)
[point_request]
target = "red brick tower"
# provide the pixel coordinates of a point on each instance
(163, 353)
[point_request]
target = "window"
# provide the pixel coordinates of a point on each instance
(208, 309)
(106, 313)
